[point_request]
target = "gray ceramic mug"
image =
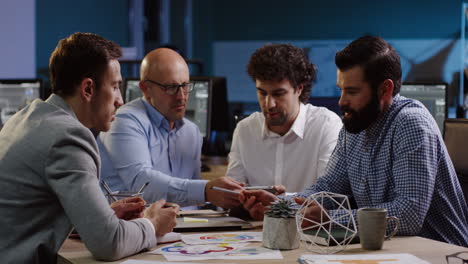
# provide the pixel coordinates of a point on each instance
(372, 227)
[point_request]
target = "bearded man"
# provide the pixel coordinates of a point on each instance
(390, 153)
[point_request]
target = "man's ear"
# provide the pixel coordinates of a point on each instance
(386, 90)
(87, 89)
(143, 88)
(300, 88)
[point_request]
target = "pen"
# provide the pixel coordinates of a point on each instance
(108, 190)
(259, 187)
(266, 188)
(224, 190)
(143, 187)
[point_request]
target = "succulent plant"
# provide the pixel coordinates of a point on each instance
(281, 209)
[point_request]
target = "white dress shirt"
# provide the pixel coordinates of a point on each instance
(261, 157)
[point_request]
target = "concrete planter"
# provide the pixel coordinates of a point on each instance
(280, 233)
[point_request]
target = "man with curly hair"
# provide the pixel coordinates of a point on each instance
(290, 142)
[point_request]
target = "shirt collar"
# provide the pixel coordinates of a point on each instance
(296, 128)
(158, 119)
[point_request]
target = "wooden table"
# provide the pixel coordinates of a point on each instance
(73, 251)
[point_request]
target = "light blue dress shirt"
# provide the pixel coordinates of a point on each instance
(140, 148)
(401, 164)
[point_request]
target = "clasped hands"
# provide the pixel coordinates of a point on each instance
(163, 219)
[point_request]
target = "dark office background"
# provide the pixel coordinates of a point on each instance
(242, 20)
(215, 21)
(255, 20)
(426, 33)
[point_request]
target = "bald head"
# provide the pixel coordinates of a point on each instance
(162, 62)
(159, 69)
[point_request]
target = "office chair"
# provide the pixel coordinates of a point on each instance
(455, 137)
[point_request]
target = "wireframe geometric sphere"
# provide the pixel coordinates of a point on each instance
(333, 229)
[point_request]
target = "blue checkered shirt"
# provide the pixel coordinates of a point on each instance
(400, 163)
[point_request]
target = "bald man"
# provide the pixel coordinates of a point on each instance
(151, 141)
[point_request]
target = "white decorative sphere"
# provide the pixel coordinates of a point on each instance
(335, 227)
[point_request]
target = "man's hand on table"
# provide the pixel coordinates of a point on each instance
(129, 208)
(313, 212)
(163, 219)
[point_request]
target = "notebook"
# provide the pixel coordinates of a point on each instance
(213, 223)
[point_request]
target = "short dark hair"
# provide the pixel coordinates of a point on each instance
(276, 62)
(378, 59)
(79, 56)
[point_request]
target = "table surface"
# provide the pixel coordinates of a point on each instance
(73, 251)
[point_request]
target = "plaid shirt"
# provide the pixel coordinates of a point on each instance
(400, 163)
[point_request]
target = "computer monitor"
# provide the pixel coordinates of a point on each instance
(432, 95)
(198, 108)
(17, 93)
(131, 89)
(219, 107)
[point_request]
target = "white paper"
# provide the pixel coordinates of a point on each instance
(182, 252)
(253, 253)
(170, 237)
(228, 237)
(384, 258)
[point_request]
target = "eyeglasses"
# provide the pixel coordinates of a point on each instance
(172, 89)
(458, 258)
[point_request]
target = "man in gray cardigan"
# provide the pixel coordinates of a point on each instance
(50, 165)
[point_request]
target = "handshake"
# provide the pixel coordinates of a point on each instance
(161, 214)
